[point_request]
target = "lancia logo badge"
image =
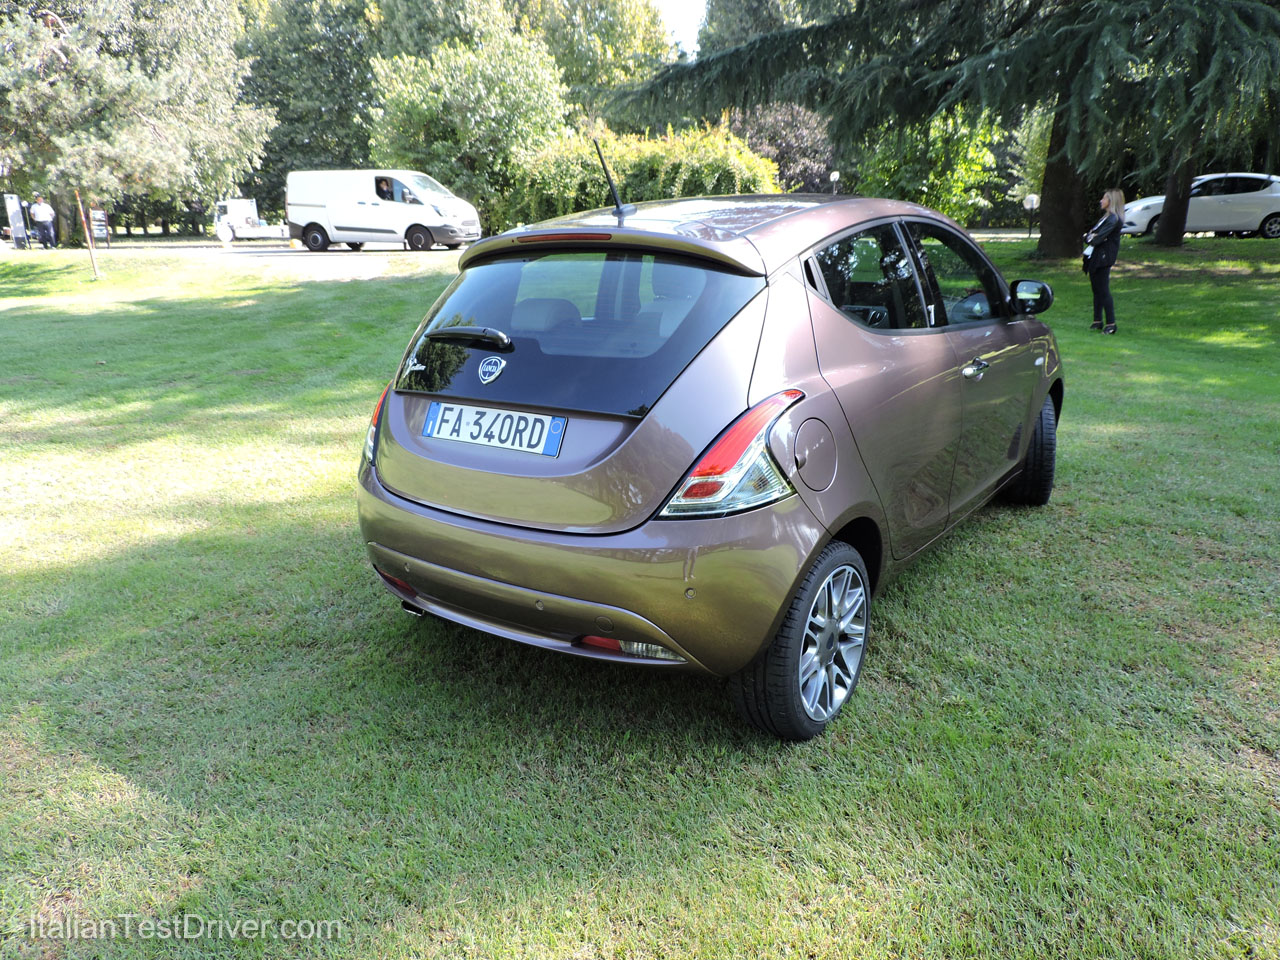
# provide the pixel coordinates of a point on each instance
(490, 367)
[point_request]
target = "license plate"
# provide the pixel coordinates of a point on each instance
(491, 427)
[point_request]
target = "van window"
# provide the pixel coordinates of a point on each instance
(590, 330)
(425, 186)
(402, 194)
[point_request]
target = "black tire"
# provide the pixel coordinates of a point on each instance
(1034, 484)
(419, 238)
(1151, 225)
(1270, 227)
(453, 246)
(356, 246)
(315, 239)
(770, 692)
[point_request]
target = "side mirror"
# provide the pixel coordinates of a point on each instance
(1031, 296)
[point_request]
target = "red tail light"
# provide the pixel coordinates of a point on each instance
(737, 472)
(371, 437)
(377, 411)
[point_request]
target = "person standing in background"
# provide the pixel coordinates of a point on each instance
(42, 220)
(1103, 241)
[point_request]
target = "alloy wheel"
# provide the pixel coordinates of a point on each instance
(834, 639)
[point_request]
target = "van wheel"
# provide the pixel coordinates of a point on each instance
(797, 686)
(315, 238)
(356, 246)
(453, 246)
(419, 238)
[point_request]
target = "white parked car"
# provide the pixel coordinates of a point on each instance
(356, 207)
(1221, 202)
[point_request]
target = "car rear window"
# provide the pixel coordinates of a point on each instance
(603, 331)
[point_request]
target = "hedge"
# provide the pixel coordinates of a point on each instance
(565, 177)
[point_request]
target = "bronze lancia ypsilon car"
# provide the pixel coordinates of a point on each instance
(702, 433)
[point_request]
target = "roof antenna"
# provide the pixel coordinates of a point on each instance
(619, 210)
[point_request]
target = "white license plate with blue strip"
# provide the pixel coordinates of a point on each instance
(493, 427)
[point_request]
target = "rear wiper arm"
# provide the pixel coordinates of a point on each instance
(487, 335)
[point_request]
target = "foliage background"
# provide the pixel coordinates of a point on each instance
(566, 176)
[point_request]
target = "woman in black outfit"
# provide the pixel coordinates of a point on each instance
(1100, 256)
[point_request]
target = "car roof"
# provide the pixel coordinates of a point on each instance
(1211, 176)
(751, 233)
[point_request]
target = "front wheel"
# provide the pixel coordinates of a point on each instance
(1034, 485)
(355, 246)
(419, 238)
(798, 684)
(1152, 224)
(315, 239)
(1270, 227)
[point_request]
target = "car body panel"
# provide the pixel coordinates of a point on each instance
(740, 570)
(997, 404)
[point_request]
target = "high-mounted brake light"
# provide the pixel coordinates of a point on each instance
(737, 472)
(552, 237)
(371, 438)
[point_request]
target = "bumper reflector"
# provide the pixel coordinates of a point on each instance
(649, 651)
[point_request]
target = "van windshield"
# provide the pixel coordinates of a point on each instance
(424, 186)
(590, 330)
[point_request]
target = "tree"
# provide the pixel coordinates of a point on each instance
(731, 23)
(311, 68)
(466, 115)
(1097, 67)
(126, 96)
(792, 137)
(417, 28)
(598, 44)
(945, 163)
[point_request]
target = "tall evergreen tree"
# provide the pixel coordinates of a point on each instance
(1192, 71)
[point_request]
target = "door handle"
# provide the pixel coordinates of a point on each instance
(973, 369)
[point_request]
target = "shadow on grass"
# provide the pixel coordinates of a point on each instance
(242, 723)
(237, 721)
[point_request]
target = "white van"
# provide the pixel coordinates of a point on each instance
(356, 207)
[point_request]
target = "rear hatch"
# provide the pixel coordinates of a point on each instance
(569, 389)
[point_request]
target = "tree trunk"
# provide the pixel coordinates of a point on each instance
(1064, 211)
(1177, 197)
(164, 226)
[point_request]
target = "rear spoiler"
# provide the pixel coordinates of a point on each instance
(736, 253)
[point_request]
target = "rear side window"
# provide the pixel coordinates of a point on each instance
(590, 330)
(870, 279)
(1246, 184)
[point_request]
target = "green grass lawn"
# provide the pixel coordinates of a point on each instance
(1064, 743)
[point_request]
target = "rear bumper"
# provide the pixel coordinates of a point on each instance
(712, 591)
